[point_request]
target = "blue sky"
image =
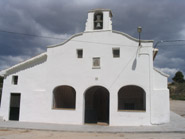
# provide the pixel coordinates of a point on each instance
(160, 20)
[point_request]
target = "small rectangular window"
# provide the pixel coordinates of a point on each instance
(116, 52)
(79, 53)
(15, 80)
(96, 62)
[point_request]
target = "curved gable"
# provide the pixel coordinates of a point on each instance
(114, 31)
(132, 38)
(74, 36)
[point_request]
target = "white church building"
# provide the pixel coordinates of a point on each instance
(97, 76)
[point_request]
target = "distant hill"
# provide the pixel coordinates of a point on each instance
(177, 91)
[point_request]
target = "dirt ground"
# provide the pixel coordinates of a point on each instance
(33, 134)
(176, 106)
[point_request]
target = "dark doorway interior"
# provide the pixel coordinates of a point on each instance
(97, 105)
(64, 97)
(14, 106)
(131, 97)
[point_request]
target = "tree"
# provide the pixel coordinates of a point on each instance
(179, 77)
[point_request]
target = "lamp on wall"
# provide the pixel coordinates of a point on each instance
(139, 30)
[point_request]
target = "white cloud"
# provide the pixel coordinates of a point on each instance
(182, 33)
(169, 71)
(8, 61)
(46, 33)
(86, 2)
(177, 60)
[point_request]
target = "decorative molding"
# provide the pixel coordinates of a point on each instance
(132, 38)
(76, 35)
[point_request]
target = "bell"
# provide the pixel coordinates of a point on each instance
(98, 25)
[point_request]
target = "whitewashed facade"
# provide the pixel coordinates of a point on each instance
(110, 78)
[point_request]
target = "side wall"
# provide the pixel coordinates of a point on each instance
(31, 87)
(160, 110)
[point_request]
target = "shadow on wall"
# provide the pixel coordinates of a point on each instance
(134, 64)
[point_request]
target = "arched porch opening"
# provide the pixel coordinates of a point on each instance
(132, 97)
(97, 105)
(64, 97)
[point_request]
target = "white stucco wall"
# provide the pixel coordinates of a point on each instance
(160, 111)
(30, 79)
(160, 80)
(160, 107)
(62, 67)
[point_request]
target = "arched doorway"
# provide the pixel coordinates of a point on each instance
(97, 105)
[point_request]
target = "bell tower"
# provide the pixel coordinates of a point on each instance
(99, 19)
